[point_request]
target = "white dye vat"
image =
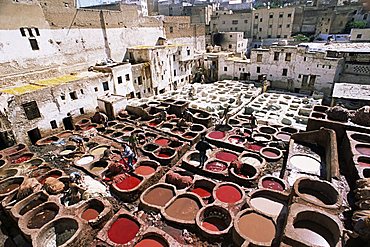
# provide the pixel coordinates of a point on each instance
(305, 163)
(84, 160)
(267, 206)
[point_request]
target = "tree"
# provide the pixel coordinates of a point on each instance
(301, 38)
(354, 24)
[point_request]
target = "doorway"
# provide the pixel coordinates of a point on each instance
(68, 124)
(34, 135)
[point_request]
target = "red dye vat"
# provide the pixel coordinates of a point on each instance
(270, 154)
(123, 230)
(202, 192)
(226, 156)
(152, 124)
(128, 183)
(214, 224)
(42, 181)
(188, 136)
(144, 170)
(151, 242)
(216, 166)
(363, 150)
(216, 135)
(23, 158)
(235, 140)
(162, 142)
(254, 147)
(163, 155)
(228, 194)
(360, 163)
(90, 214)
(272, 184)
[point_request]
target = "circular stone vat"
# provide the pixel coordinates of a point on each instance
(283, 136)
(255, 228)
(318, 192)
(99, 166)
(234, 122)
(23, 158)
(305, 163)
(363, 161)
(226, 156)
(99, 150)
(252, 159)
(316, 229)
(175, 144)
(320, 108)
(270, 153)
(262, 137)
(62, 231)
(165, 153)
(237, 140)
(361, 138)
(51, 174)
(267, 130)
(158, 195)
(92, 210)
(84, 160)
(146, 168)
(130, 182)
(189, 135)
(289, 130)
(224, 128)
(36, 162)
(203, 188)
(216, 166)
(152, 240)
(30, 204)
(162, 142)
(14, 149)
(2, 163)
(118, 126)
(42, 215)
(47, 140)
(363, 149)
(318, 115)
(272, 183)
(254, 147)
(197, 128)
(112, 123)
(39, 171)
(123, 229)
(366, 173)
(178, 131)
(246, 171)
(214, 220)
(116, 134)
(128, 129)
(216, 135)
(184, 208)
(9, 185)
(150, 147)
(228, 193)
(8, 173)
(267, 202)
(91, 145)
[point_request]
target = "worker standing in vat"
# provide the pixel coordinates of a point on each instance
(202, 146)
(79, 141)
(129, 154)
(99, 118)
(225, 116)
(162, 116)
(133, 143)
(187, 116)
(253, 121)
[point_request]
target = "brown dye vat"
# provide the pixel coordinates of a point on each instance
(8, 173)
(183, 208)
(39, 171)
(118, 126)
(145, 170)
(13, 149)
(256, 227)
(289, 130)
(159, 196)
(90, 214)
(99, 166)
(32, 204)
(361, 138)
(41, 218)
(2, 162)
(9, 188)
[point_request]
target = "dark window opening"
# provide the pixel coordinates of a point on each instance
(276, 56)
(31, 109)
(37, 31)
(30, 32)
(140, 80)
(53, 124)
(138, 95)
(119, 79)
(174, 72)
(82, 111)
(285, 72)
(132, 94)
(162, 91)
(188, 52)
(174, 57)
(288, 57)
(258, 69)
(82, 91)
(23, 33)
(225, 68)
(127, 76)
(96, 89)
(171, 29)
(34, 44)
(63, 97)
(73, 95)
(105, 86)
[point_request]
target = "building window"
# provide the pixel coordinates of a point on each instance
(96, 89)
(359, 36)
(63, 97)
(82, 111)
(138, 95)
(305, 59)
(174, 72)
(288, 56)
(127, 76)
(276, 56)
(259, 57)
(119, 79)
(34, 44)
(174, 57)
(234, 22)
(329, 66)
(245, 21)
(140, 80)
(299, 76)
(256, 17)
(73, 95)
(288, 26)
(225, 68)
(281, 15)
(271, 15)
(188, 51)
(289, 15)
(37, 31)
(285, 36)
(269, 36)
(285, 72)
(171, 29)
(365, 17)
(105, 86)
(260, 19)
(53, 124)
(23, 33)
(30, 32)
(31, 109)
(223, 22)
(82, 91)
(258, 69)
(270, 26)
(230, 46)
(278, 36)
(260, 29)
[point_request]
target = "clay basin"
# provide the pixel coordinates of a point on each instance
(162, 141)
(361, 138)
(268, 202)
(283, 136)
(41, 215)
(320, 108)
(13, 149)
(84, 122)
(216, 166)
(128, 129)
(154, 123)
(84, 160)
(272, 183)
(197, 128)
(68, 150)
(99, 150)
(226, 156)
(362, 161)
(228, 193)
(214, 221)
(29, 203)
(271, 153)
(157, 196)
(2, 163)
(8, 185)
(108, 131)
(39, 171)
(224, 128)
(267, 130)
(262, 138)
(129, 183)
(98, 167)
(20, 158)
(150, 147)
(112, 123)
(117, 134)
(315, 229)
(60, 232)
(254, 228)
(305, 163)
(47, 140)
(51, 174)
(253, 159)
(175, 144)
(234, 122)
(152, 239)
(123, 229)
(193, 158)
(178, 131)
(91, 210)
(165, 153)
(118, 126)
(8, 173)
(203, 188)
(150, 135)
(91, 145)
(218, 135)
(237, 140)
(363, 149)
(289, 130)
(167, 127)
(317, 192)
(318, 115)
(35, 162)
(146, 167)
(245, 172)
(183, 209)
(189, 135)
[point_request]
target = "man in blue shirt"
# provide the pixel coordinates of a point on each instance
(127, 152)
